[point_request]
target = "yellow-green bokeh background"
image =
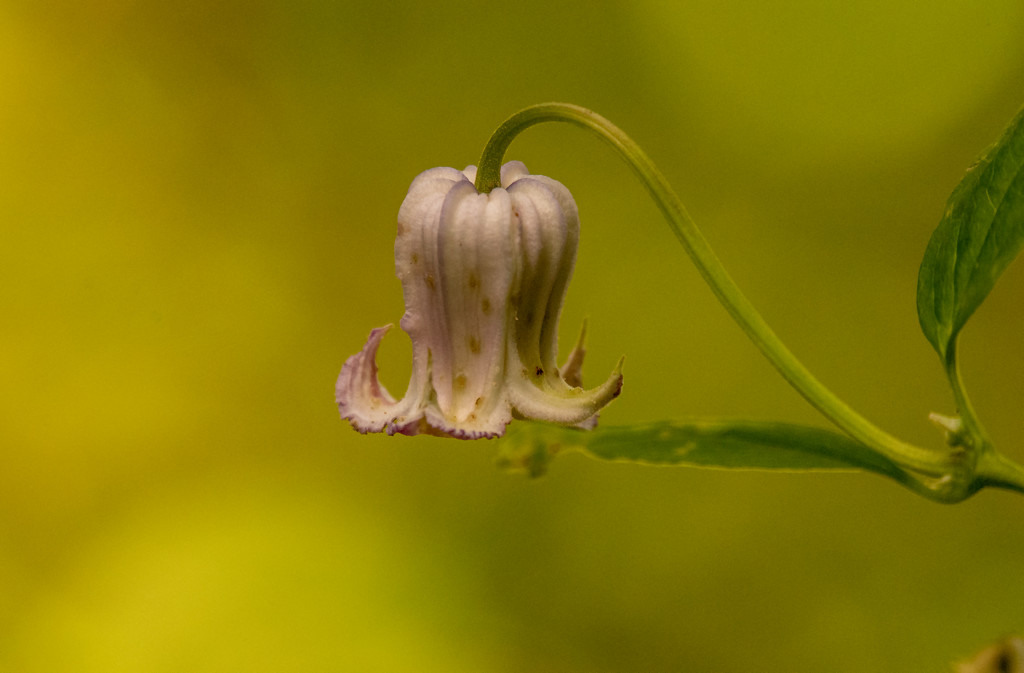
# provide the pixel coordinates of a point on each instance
(198, 202)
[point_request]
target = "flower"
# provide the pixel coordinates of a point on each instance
(484, 277)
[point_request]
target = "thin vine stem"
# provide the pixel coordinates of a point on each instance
(972, 425)
(989, 467)
(924, 461)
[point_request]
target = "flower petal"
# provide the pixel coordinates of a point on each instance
(536, 396)
(572, 370)
(367, 404)
(360, 396)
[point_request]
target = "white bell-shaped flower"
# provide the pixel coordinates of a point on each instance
(484, 277)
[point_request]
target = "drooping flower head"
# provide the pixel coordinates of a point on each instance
(484, 277)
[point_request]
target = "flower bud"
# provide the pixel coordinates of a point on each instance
(484, 277)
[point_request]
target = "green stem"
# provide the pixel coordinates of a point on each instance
(989, 466)
(995, 469)
(975, 433)
(739, 307)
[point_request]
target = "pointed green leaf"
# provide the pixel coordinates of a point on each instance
(979, 235)
(745, 445)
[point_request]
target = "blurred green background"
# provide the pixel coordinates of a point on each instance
(198, 205)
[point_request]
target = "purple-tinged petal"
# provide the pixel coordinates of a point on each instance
(361, 397)
(484, 277)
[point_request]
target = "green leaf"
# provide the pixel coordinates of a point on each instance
(745, 445)
(979, 235)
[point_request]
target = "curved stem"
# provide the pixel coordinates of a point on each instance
(990, 467)
(738, 306)
(995, 469)
(975, 432)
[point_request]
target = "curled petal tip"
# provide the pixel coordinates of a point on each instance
(572, 370)
(361, 397)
